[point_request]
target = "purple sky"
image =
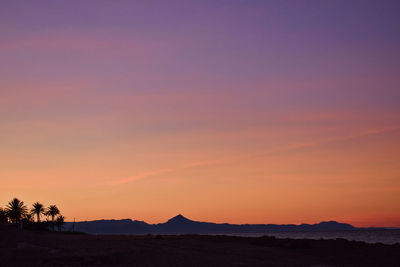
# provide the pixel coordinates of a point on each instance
(196, 80)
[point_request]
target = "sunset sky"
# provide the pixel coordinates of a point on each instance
(225, 111)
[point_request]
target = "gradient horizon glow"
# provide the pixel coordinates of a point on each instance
(224, 111)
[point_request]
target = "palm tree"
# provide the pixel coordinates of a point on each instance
(52, 211)
(60, 222)
(37, 210)
(15, 210)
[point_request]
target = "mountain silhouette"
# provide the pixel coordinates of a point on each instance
(178, 219)
(182, 225)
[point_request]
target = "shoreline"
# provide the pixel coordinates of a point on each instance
(19, 248)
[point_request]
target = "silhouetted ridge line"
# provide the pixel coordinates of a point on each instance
(179, 219)
(182, 225)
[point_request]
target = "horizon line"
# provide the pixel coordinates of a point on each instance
(278, 224)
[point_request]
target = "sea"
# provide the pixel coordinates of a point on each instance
(388, 237)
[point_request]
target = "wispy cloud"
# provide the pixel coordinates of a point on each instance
(140, 176)
(236, 158)
(333, 139)
(291, 147)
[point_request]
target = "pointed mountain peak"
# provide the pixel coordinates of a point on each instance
(179, 219)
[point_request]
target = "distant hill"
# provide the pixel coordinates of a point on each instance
(182, 225)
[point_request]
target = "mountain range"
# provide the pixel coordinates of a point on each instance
(182, 225)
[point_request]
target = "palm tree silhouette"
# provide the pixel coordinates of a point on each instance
(59, 222)
(37, 210)
(15, 210)
(52, 211)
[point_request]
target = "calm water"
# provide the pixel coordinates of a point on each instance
(382, 236)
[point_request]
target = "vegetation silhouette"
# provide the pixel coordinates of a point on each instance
(52, 211)
(37, 209)
(16, 210)
(3, 216)
(28, 218)
(60, 222)
(16, 213)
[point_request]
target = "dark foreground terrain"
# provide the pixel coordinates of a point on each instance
(26, 248)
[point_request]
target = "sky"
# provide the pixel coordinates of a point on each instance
(225, 111)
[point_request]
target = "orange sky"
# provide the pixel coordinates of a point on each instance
(277, 117)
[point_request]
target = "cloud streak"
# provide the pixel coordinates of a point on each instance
(233, 159)
(140, 176)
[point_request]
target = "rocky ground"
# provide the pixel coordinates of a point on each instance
(28, 248)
